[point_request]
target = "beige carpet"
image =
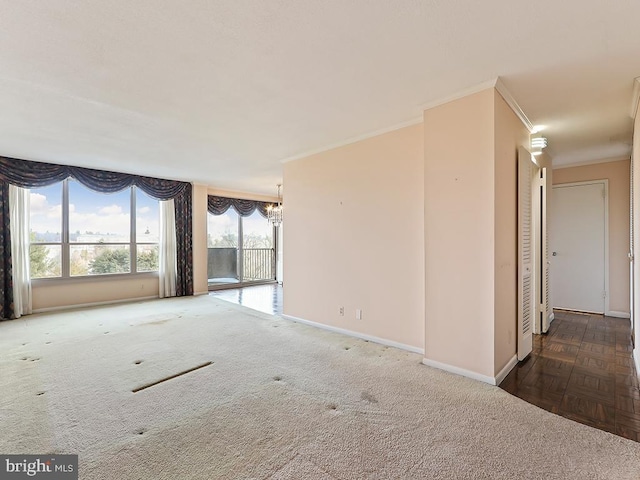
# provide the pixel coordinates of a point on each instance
(280, 400)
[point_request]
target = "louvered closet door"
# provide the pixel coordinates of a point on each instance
(546, 307)
(526, 290)
(631, 258)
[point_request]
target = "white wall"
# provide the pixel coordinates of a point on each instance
(354, 237)
(200, 277)
(459, 233)
(470, 224)
(53, 294)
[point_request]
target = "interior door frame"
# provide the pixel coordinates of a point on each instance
(605, 183)
(544, 309)
(240, 256)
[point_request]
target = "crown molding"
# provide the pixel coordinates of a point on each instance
(493, 83)
(636, 97)
(502, 90)
(460, 94)
(348, 141)
(496, 83)
(591, 162)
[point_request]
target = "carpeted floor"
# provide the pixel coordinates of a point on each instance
(280, 400)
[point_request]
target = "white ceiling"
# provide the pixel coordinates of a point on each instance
(220, 92)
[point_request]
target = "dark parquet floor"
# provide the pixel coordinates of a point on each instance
(583, 369)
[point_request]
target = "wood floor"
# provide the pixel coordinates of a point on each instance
(265, 298)
(583, 369)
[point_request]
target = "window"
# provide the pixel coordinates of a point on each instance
(78, 232)
(46, 231)
(240, 249)
(147, 232)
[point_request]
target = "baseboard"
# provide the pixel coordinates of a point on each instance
(460, 371)
(361, 336)
(93, 304)
(636, 358)
(550, 319)
(502, 374)
(615, 314)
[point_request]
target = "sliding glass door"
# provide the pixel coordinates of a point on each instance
(241, 250)
(223, 232)
(258, 252)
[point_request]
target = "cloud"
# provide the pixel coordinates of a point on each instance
(39, 203)
(44, 216)
(110, 219)
(110, 210)
(99, 222)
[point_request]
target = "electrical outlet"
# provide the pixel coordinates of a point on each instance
(342, 311)
(358, 314)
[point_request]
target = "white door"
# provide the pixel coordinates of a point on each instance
(631, 259)
(546, 311)
(526, 254)
(578, 246)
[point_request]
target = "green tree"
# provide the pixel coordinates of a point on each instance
(110, 261)
(148, 260)
(79, 265)
(40, 264)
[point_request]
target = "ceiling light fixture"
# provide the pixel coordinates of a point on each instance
(538, 143)
(274, 212)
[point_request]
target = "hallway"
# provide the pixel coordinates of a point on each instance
(583, 369)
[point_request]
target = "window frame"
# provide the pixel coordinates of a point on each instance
(65, 244)
(240, 249)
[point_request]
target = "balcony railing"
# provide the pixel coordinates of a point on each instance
(257, 264)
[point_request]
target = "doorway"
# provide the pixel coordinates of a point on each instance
(579, 250)
(241, 249)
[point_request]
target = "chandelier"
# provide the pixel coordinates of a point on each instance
(274, 212)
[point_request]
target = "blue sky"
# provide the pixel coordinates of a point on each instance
(92, 211)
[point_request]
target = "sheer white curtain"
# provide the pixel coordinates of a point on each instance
(168, 258)
(19, 224)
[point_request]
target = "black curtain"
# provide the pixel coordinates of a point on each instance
(28, 174)
(6, 281)
(219, 205)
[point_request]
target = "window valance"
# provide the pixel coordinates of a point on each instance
(219, 205)
(29, 174)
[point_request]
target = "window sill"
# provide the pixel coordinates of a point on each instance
(115, 277)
